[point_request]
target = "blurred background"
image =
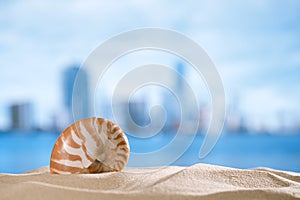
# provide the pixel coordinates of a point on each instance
(255, 46)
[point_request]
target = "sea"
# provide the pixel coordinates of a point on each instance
(21, 152)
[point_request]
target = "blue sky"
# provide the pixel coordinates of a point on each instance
(254, 44)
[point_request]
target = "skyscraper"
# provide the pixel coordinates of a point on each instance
(21, 116)
(180, 68)
(181, 89)
(70, 76)
(187, 100)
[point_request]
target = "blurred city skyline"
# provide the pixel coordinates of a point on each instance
(22, 115)
(255, 45)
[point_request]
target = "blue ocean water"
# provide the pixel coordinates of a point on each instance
(20, 152)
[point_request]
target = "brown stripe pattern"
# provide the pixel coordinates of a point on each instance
(91, 145)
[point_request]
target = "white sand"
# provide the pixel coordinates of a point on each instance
(195, 182)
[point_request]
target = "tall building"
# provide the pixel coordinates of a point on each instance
(80, 99)
(138, 112)
(138, 115)
(180, 68)
(188, 114)
(22, 116)
(183, 92)
(172, 110)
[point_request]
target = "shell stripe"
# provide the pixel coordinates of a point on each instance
(69, 163)
(61, 167)
(75, 138)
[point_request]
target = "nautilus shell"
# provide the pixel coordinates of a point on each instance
(91, 145)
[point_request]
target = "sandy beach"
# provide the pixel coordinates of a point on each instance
(199, 181)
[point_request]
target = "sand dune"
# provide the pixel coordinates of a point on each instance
(196, 182)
